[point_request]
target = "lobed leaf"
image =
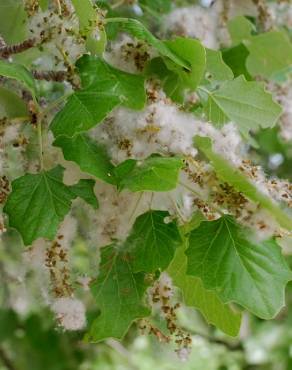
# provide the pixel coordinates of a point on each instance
(152, 241)
(84, 189)
(216, 69)
(154, 173)
(194, 53)
(39, 202)
(235, 57)
(118, 292)
(240, 28)
(238, 270)
(244, 102)
(269, 53)
(90, 156)
(103, 88)
(196, 295)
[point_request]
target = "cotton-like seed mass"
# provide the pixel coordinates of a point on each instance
(70, 313)
(195, 22)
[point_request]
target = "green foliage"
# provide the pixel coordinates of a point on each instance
(43, 194)
(216, 69)
(85, 189)
(44, 4)
(177, 79)
(214, 262)
(91, 157)
(19, 73)
(153, 241)
(158, 6)
(196, 295)
(237, 269)
(194, 53)
(155, 173)
(11, 105)
(243, 102)
(87, 20)
(235, 57)
(270, 53)
(85, 12)
(240, 28)
(103, 89)
(118, 292)
(15, 31)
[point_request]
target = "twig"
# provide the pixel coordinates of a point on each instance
(7, 50)
(58, 76)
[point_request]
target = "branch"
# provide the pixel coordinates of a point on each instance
(7, 50)
(58, 76)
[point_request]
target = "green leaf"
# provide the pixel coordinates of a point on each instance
(85, 12)
(152, 241)
(244, 102)
(19, 73)
(88, 18)
(195, 295)
(38, 203)
(103, 89)
(270, 53)
(138, 30)
(240, 28)
(173, 88)
(84, 189)
(227, 173)
(157, 6)
(214, 113)
(238, 270)
(235, 57)
(44, 4)
(11, 105)
(90, 156)
(13, 21)
(172, 85)
(216, 69)
(118, 292)
(155, 173)
(98, 75)
(194, 53)
(176, 79)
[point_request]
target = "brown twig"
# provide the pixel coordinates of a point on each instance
(58, 76)
(7, 50)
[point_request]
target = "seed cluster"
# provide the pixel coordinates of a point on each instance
(57, 263)
(160, 296)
